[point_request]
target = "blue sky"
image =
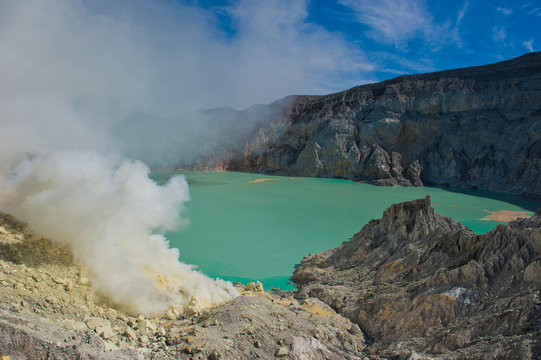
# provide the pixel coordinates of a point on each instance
(168, 56)
(419, 36)
(396, 37)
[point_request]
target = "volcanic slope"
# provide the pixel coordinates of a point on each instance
(49, 310)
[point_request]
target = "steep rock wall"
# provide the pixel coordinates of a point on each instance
(473, 127)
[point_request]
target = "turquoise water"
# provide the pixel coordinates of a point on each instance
(243, 231)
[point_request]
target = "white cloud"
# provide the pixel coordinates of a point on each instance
(461, 13)
(528, 45)
(535, 11)
(396, 22)
(393, 21)
(454, 32)
(276, 51)
(532, 9)
(504, 11)
(499, 33)
(164, 56)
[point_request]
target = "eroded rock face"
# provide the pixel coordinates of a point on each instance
(472, 127)
(419, 283)
(477, 126)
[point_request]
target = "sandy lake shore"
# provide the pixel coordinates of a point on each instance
(506, 215)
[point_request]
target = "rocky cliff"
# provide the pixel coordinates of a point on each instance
(420, 285)
(474, 127)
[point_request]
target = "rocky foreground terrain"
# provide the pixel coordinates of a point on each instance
(48, 310)
(411, 285)
(420, 285)
(475, 127)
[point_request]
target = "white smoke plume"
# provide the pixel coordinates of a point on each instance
(111, 214)
(73, 71)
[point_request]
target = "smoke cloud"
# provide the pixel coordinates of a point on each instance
(108, 211)
(74, 72)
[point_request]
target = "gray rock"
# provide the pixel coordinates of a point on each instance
(105, 331)
(419, 283)
(413, 173)
(144, 339)
(24, 335)
(72, 325)
(282, 351)
(94, 322)
(257, 326)
(130, 333)
(378, 164)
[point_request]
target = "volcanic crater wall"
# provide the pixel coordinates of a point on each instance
(475, 127)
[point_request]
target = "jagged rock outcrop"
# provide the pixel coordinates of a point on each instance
(419, 283)
(474, 127)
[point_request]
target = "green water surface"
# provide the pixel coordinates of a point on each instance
(243, 231)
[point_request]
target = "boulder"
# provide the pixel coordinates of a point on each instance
(95, 322)
(105, 331)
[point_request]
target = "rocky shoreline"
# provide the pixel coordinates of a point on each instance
(410, 285)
